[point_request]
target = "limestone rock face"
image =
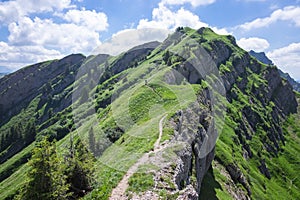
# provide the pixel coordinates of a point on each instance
(196, 131)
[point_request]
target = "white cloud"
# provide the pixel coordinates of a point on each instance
(164, 17)
(289, 13)
(32, 39)
(253, 43)
(87, 18)
(44, 32)
(11, 11)
(129, 38)
(194, 3)
(222, 31)
(288, 59)
(163, 21)
(13, 57)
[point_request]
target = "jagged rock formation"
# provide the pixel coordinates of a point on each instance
(264, 59)
(261, 56)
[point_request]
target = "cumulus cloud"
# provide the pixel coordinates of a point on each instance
(31, 36)
(194, 3)
(129, 38)
(288, 59)
(66, 37)
(166, 18)
(95, 21)
(11, 11)
(221, 31)
(289, 13)
(33, 39)
(163, 22)
(12, 57)
(253, 43)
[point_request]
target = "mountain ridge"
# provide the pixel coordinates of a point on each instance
(152, 81)
(264, 59)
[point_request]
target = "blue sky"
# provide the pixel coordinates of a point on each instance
(37, 30)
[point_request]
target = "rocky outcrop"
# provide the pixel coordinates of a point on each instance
(188, 193)
(264, 87)
(238, 177)
(197, 134)
(295, 84)
(264, 170)
(261, 56)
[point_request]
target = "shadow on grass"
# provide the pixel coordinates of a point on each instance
(209, 186)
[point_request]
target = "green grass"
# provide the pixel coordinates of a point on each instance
(119, 157)
(224, 68)
(213, 185)
(164, 195)
(146, 104)
(284, 168)
(150, 100)
(15, 162)
(140, 182)
(13, 183)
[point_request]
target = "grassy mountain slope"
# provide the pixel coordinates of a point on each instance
(122, 99)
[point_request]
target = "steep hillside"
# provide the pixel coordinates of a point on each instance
(295, 84)
(264, 59)
(21, 87)
(195, 117)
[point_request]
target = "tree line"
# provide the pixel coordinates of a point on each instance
(16, 138)
(55, 176)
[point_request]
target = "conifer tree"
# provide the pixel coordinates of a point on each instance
(30, 132)
(45, 179)
(80, 169)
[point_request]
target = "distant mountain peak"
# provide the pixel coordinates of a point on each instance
(261, 56)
